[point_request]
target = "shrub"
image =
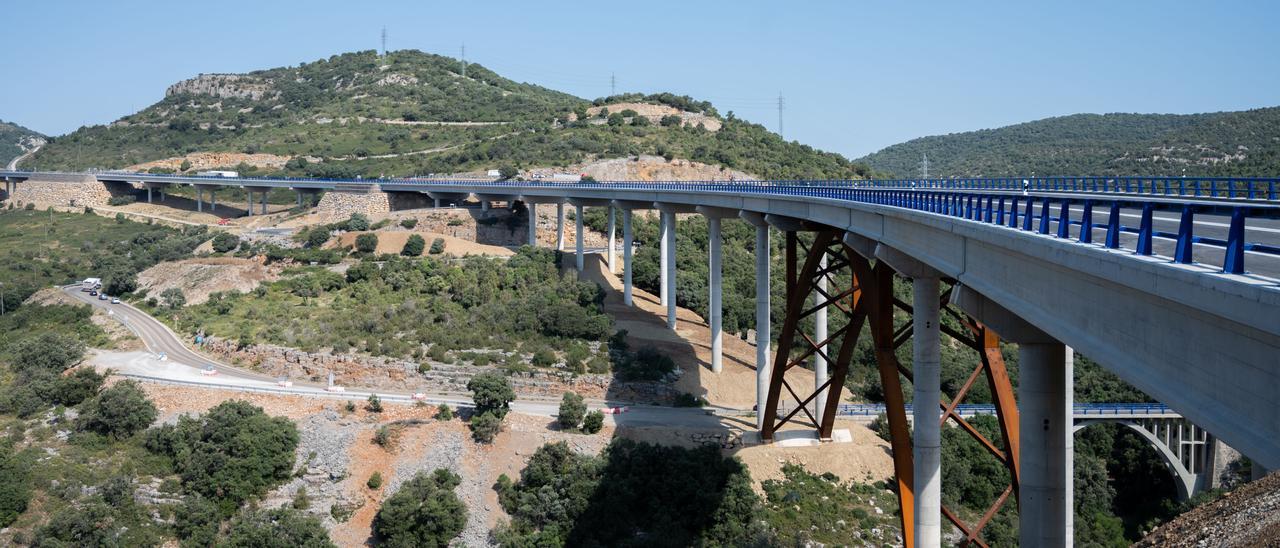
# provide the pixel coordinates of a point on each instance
(671, 120)
(543, 357)
(593, 422)
(358, 222)
(367, 243)
(375, 404)
(79, 386)
(485, 427)
(413, 246)
(278, 527)
(425, 512)
(15, 486)
(224, 242)
(173, 298)
(300, 499)
(409, 223)
(454, 222)
(121, 200)
(572, 409)
(444, 412)
(46, 353)
(118, 412)
(375, 480)
(688, 400)
(491, 393)
(350, 407)
(437, 246)
(317, 237)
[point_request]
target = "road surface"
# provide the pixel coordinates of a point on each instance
(183, 366)
(13, 164)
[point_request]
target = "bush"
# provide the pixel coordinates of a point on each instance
(444, 412)
(15, 486)
(358, 222)
(437, 246)
(375, 404)
(224, 242)
(121, 200)
(543, 357)
(507, 172)
(686, 399)
(413, 246)
(593, 422)
(425, 512)
(173, 298)
(367, 243)
(77, 387)
(375, 480)
(572, 409)
(46, 353)
(118, 412)
(317, 237)
(485, 427)
(232, 453)
(278, 527)
(409, 223)
(491, 393)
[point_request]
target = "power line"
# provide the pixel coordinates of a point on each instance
(613, 84)
(464, 60)
(780, 107)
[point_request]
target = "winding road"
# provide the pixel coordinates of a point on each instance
(185, 367)
(13, 164)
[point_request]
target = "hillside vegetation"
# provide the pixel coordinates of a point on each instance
(1245, 143)
(410, 112)
(15, 141)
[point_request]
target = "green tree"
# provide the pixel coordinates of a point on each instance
(173, 298)
(485, 427)
(367, 242)
(185, 166)
(317, 237)
(375, 480)
(374, 404)
(224, 242)
(572, 410)
(424, 512)
(491, 393)
(507, 172)
(232, 453)
(80, 385)
(437, 246)
(46, 353)
(120, 282)
(118, 412)
(617, 119)
(281, 527)
(444, 412)
(15, 485)
(413, 246)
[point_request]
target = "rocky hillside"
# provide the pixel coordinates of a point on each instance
(1245, 143)
(414, 113)
(16, 140)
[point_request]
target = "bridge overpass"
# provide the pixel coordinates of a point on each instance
(1170, 283)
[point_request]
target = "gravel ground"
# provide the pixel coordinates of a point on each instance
(1248, 516)
(328, 436)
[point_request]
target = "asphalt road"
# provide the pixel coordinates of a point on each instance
(183, 366)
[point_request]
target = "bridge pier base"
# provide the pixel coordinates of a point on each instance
(663, 227)
(820, 360)
(626, 257)
(1046, 429)
(533, 223)
(213, 200)
(926, 355)
(763, 365)
(669, 266)
(249, 208)
(148, 194)
(264, 202)
(560, 226)
(199, 199)
(577, 241)
(484, 205)
(715, 311)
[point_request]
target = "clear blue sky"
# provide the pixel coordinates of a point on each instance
(856, 76)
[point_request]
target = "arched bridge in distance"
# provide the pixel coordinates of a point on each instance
(1170, 283)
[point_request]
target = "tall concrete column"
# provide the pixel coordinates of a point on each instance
(819, 335)
(264, 202)
(148, 194)
(436, 203)
(199, 199)
(213, 200)
(533, 223)
(560, 227)
(715, 311)
(248, 210)
(626, 257)
(763, 334)
(669, 267)
(612, 243)
(299, 198)
(484, 205)
(663, 227)
(1045, 395)
(577, 222)
(1045, 424)
(926, 355)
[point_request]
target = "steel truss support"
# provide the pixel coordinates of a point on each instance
(859, 293)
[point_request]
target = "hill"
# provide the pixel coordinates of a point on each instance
(1244, 143)
(16, 140)
(410, 112)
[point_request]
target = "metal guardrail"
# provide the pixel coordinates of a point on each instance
(1005, 202)
(1079, 409)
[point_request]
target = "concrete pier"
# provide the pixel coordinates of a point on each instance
(533, 223)
(1045, 395)
(763, 312)
(577, 222)
(669, 266)
(612, 243)
(663, 227)
(715, 311)
(926, 355)
(819, 335)
(626, 257)
(560, 226)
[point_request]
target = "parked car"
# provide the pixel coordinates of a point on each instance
(115, 300)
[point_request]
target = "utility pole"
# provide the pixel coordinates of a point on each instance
(924, 165)
(613, 84)
(464, 60)
(780, 107)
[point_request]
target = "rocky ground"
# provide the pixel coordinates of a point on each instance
(199, 277)
(1247, 516)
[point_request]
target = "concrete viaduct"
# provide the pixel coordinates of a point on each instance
(1050, 264)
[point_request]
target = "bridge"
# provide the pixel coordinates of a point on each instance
(1170, 283)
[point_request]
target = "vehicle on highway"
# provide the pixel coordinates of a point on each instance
(115, 300)
(209, 371)
(93, 293)
(217, 174)
(284, 383)
(102, 296)
(335, 389)
(90, 284)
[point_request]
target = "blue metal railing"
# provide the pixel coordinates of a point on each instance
(1043, 205)
(1078, 410)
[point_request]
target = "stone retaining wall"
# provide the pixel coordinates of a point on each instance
(341, 205)
(87, 192)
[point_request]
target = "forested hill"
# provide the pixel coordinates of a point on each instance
(1244, 143)
(15, 141)
(410, 112)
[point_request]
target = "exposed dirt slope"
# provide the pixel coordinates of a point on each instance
(1248, 516)
(197, 278)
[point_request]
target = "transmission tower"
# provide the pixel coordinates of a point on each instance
(613, 84)
(384, 41)
(464, 60)
(780, 107)
(924, 165)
